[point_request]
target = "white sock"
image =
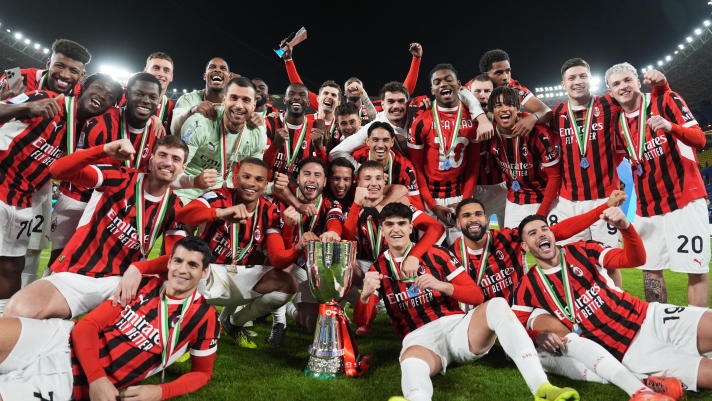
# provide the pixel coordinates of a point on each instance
(261, 306)
(415, 380)
(32, 267)
(568, 367)
(290, 309)
(279, 316)
(3, 302)
(516, 342)
(602, 362)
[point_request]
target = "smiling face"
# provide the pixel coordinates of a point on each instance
(311, 181)
(577, 82)
(394, 104)
(396, 230)
(98, 97)
(262, 92)
(239, 105)
(142, 100)
(162, 70)
(296, 99)
(216, 75)
(64, 73)
(185, 269)
(374, 180)
(340, 181)
(380, 142)
(167, 163)
(328, 99)
(624, 87)
(250, 182)
(473, 221)
(538, 239)
(444, 86)
(504, 115)
(348, 124)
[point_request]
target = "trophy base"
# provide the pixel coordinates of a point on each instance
(325, 369)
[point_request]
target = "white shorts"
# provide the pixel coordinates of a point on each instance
(83, 293)
(447, 337)
(65, 219)
(451, 233)
(41, 220)
(494, 199)
(40, 362)
(514, 213)
(667, 343)
(364, 264)
(304, 293)
(678, 240)
(17, 226)
(599, 231)
(228, 285)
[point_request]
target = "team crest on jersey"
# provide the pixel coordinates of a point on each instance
(304, 145)
(500, 255)
(421, 269)
(187, 136)
(521, 93)
(176, 320)
(209, 195)
(54, 224)
(577, 271)
(525, 151)
(257, 234)
(145, 152)
(596, 111)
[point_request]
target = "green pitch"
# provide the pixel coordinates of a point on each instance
(275, 374)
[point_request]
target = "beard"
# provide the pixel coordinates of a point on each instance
(474, 237)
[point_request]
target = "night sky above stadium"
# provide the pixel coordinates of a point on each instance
(362, 38)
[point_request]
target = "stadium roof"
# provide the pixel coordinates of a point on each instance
(19, 51)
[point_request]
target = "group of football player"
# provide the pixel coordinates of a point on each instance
(237, 188)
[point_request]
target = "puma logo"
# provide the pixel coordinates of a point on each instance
(141, 301)
(699, 262)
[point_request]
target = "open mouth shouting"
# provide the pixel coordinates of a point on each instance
(544, 245)
(310, 191)
(328, 104)
(96, 104)
(62, 85)
(217, 79)
(446, 94)
(505, 117)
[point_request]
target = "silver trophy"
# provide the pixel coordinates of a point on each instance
(330, 267)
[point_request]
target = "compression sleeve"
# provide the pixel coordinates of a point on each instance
(201, 370)
(552, 189)
(76, 168)
(85, 339)
(632, 254)
(412, 78)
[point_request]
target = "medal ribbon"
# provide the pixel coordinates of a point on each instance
(319, 201)
(642, 129)
(162, 111)
(291, 157)
(447, 150)
(583, 137)
(123, 130)
(512, 171)
(395, 270)
(465, 258)
(375, 237)
(568, 293)
(223, 148)
(237, 253)
(71, 105)
(169, 340)
(141, 214)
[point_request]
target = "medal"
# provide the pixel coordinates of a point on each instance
(577, 329)
(512, 170)
(640, 170)
(169, 340)
(515, 186)
(292, 151)
(312, 223)
(642, 129)
(375, 237)
(123, 130)
(569, 311)
(584, 134)
(396, 270)
(447, 151)
(141, 214)
(483, 259)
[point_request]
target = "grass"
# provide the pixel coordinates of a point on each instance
(274, 374)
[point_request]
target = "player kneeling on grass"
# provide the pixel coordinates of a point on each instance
(115, 347)
(570, 283)
(415, 303)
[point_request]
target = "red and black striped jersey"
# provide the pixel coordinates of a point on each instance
(104, 129)
(505, 266)
(599, 178)
(28, 146)
(369, 224)
(330, 210)
(219, 234)
(606, 314)
(131, 346)
(106, 241)
(668, 177)
(490, 173)
(525, 158)
(408, 307)
(277, 158)
(424, 144)
(35, 79)
(400, 170)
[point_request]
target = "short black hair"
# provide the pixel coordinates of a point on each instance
(160, 56)
(491, 57)
(294, 84)
(312, 159)
(395, 209)
(340, 162)
(466, 202)
(574, 62)
(330, 84)
(248, 160)
(259, 79)
(440, 67)
(380, 124)
(346, 109)
(172, 141)
(145, 77)
(195, 244)
(510, 97)
(369, 164)
(242, 82)
(71, 49)
(527, 220)
(116, 87)
(208, 65)
(394, 87)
